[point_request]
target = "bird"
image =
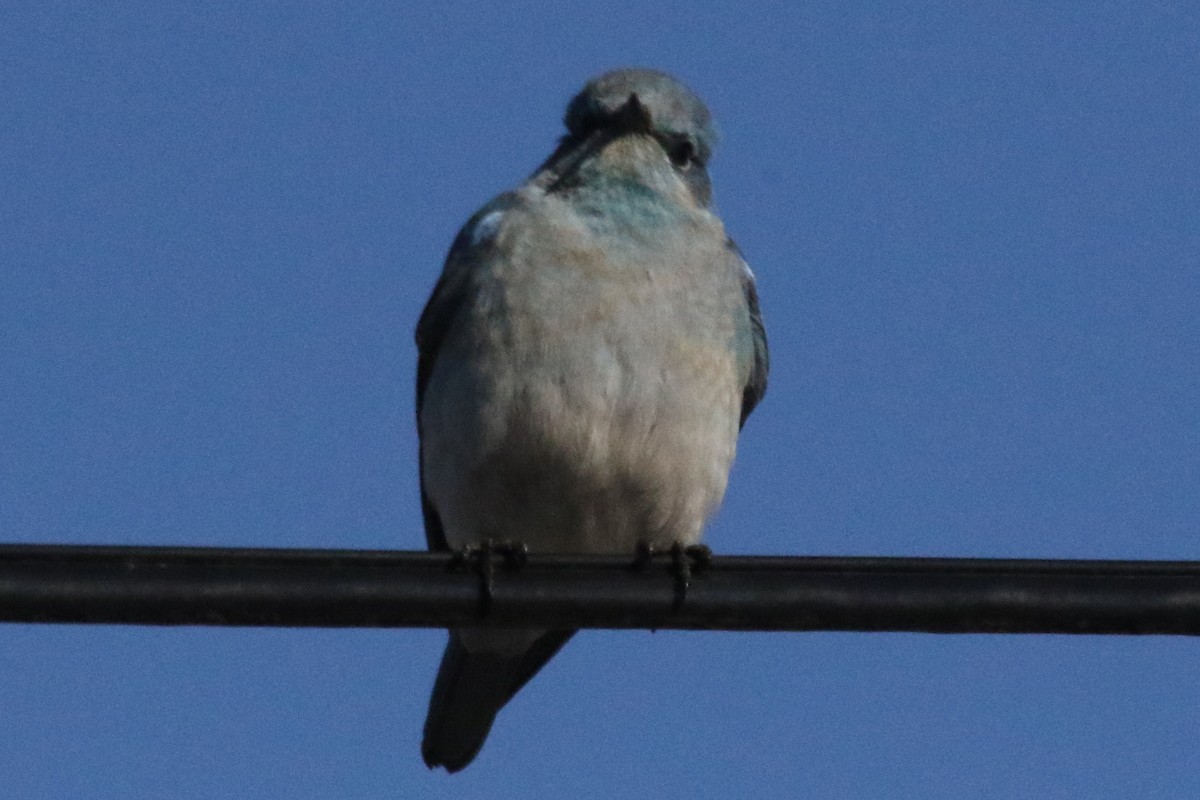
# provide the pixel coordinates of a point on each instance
(586, 361)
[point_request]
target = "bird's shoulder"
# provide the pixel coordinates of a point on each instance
(474, 247)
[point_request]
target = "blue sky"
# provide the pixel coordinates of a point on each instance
(978, 248)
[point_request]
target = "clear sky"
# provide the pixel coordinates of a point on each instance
(976, 229)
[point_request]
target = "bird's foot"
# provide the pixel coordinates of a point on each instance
(482, 559)
(686, 560)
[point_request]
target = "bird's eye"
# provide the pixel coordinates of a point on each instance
(682, 154)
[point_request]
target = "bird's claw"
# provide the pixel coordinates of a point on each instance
(482, 559)
(686, 560)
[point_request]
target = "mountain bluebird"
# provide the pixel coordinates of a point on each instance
(586, 360)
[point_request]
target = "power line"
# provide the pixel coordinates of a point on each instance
(342, 588)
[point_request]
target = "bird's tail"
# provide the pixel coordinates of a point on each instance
(470, 689)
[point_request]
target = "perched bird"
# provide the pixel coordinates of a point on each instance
(586, 360)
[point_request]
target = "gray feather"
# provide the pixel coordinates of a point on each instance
(470, 690)
(585, 361)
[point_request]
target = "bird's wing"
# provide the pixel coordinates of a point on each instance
(754, 361)
(471, 247)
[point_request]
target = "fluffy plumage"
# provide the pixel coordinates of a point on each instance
(586, 360)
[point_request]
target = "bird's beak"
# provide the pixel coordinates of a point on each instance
(633, 117)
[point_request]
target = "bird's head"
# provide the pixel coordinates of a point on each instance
(637, 124)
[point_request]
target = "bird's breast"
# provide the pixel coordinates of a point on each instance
(587, 400)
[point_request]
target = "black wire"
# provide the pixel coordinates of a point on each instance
(347, 588)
